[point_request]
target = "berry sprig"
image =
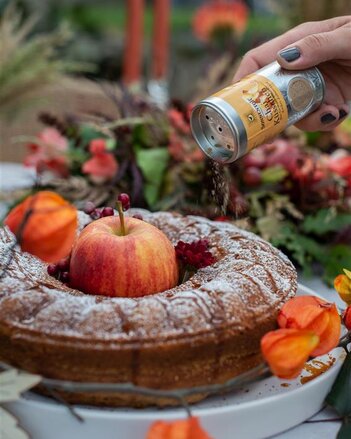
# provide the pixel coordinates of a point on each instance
(60, 270)
(96, 213)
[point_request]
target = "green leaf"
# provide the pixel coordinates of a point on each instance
(345, 430)
(274, 174)
(111, 144)
(326, 220)
(302, 248)
(77, 155)
(339, 396)
(268, 227)
(312, 137)
(88, 133)
(153, 164)
(336, 258)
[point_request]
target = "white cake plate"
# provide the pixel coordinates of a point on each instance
(256, 411)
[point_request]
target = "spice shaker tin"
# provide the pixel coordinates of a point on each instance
(246, 114)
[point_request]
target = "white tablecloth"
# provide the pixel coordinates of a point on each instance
(13, 176)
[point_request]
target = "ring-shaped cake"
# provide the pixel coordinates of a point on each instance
(204, 331)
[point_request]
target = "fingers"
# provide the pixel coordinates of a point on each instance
(267, 52)
(317, 48)
(326, 118)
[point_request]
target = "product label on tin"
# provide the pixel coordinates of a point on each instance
(260, 105)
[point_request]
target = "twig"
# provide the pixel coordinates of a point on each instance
(314, 421)
(69, 407)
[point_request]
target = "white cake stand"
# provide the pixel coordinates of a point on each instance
(256, 411)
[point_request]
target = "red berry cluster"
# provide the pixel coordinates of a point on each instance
(60, 270)
(96, 213)
(195, 254)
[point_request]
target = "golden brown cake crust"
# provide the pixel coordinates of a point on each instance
(204, 331)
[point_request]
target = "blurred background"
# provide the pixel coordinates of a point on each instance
(188, 47)
(96, 96)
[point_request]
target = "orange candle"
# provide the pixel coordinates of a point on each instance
(132, 61)
(160, 40)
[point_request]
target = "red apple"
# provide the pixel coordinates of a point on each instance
(106, 262)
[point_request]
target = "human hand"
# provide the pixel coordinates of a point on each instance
(326, 44)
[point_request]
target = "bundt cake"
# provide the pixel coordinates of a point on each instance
(203, 331)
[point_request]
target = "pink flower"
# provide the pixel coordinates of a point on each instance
(54, 139)
(49, 153)
(102, 164)
(282, 152)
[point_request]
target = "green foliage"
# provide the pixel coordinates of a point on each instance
(301, 248)
(89, 133)
(336, 258)
(345, 430)
(277, 220)
(274, 174)
(339, 396)
(153, 164)
(326, 220)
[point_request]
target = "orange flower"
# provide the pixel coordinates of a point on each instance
(313, 314)
(346, 317)
(183, 429)
(287, 350)
(342, 284)
(45, 225)
(220, 14)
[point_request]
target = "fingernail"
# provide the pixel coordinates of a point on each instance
(290, 54)
(342, 114)
(328, 118)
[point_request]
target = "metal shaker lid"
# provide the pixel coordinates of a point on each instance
(215, 131)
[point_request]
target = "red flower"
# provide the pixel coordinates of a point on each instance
(178, 121)
(181, 151)
(222, 219)
(103, 164)
(97, 146)
(220, 14)
(195, 254)
(346, 317)
(342, 167)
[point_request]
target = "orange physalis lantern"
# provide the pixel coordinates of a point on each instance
(183, 429)
(316, 315)
(287, 350)
(45, 225)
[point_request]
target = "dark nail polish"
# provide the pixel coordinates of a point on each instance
(328, 118)
(342, 114)
(290, 54)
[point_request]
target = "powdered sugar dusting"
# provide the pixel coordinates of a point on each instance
(249, 282)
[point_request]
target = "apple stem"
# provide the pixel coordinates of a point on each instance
(121, 218)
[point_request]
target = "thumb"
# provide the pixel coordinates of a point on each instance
(316, 48)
